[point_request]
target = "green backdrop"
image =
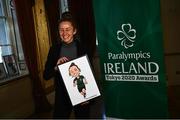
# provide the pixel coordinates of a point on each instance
(130, 46)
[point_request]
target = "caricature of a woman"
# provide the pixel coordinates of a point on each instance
(79, 80)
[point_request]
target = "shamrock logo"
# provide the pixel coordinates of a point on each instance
(127, 35)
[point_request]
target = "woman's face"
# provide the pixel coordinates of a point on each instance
(66, 31)
(74, 71)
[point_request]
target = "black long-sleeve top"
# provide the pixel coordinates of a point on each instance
(54, 55)
(50, 72)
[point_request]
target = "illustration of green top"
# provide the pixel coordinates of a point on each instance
(80, 82)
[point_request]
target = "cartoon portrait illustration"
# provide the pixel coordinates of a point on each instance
(79, 80)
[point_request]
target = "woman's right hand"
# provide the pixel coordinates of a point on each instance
(61, 61)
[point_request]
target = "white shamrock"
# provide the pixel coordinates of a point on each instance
(127, 35)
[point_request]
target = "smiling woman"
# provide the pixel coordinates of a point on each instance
(67, 31)
(67, 49)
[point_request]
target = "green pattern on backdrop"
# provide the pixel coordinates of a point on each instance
(129, 37)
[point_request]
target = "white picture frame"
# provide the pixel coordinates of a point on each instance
(78, 94)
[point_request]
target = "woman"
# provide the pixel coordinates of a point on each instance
(66, 49)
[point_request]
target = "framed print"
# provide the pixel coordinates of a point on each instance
(22, 66)
(2, 71)
(11, 65)
(79, 80)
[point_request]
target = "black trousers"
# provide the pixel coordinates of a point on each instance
(80, 112)
(63, 108)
